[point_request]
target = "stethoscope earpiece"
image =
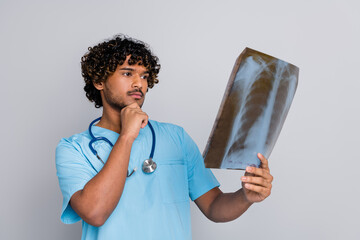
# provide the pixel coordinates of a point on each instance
(148, 166)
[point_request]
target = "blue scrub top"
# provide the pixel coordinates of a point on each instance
(152, 206)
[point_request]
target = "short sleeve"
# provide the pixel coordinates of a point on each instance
(73, 173)
(200, 179)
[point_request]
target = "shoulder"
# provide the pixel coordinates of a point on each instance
(172, 132)
(168, 133)
(73, 143)
(75, 139)
(167, 128)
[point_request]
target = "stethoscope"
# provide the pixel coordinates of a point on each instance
(148, 166)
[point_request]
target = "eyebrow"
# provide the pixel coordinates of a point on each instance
(127, 69)
(131, 69)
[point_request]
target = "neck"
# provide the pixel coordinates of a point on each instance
(110, 119)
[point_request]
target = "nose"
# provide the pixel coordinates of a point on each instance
(137, 81)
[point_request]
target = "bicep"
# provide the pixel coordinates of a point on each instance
(73, 173)
(75, 202)
(205, 201)
(81, 207)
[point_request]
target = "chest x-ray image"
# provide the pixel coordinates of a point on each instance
(253, 110)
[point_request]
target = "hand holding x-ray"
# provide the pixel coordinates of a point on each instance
(257, 181)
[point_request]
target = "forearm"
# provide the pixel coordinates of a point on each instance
(228, 206)
(101, 194)
(224, 207)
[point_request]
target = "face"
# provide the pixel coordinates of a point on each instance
(128, 84)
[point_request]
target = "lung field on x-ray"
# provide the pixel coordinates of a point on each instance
(253, 111)
(254, 105)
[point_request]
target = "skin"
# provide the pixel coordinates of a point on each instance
(123, 94)
(223, 207)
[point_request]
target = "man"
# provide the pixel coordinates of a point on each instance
(102, 181)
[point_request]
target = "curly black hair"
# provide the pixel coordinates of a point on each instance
(101, 61)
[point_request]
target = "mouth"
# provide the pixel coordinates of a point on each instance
(136, 94)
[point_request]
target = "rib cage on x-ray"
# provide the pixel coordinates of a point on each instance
(254, 108)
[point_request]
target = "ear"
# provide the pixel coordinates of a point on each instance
(99, 86)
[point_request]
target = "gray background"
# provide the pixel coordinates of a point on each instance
(315, 161)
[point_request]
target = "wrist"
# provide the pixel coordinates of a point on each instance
(126, 138)
(243, 195)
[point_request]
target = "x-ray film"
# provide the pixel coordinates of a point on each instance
(253, 110)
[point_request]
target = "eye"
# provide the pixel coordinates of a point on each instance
(127, 74)
(145, 76)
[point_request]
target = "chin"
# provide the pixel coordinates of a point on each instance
(141, 104)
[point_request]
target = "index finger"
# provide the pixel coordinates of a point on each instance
(264, 162)
(145, 121)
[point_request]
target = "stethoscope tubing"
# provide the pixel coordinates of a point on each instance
(153, 141)
(95, 139)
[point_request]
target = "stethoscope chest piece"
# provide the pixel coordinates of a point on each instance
(149, 166)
